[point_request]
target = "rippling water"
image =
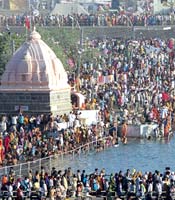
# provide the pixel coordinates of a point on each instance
(144, 155)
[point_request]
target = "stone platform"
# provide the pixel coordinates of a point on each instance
(57, 102)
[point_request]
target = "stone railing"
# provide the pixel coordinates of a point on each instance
(54, 160)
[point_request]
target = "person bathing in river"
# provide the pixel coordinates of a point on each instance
(124, 132)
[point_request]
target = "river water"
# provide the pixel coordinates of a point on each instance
(143, 155)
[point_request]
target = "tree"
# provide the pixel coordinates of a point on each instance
(6, 41)
(63, 41)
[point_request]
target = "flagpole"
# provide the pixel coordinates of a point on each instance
(27, 25)
(26, 32)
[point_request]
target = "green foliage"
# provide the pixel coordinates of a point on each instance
(4, 51)
(8, 44)
(63, 41)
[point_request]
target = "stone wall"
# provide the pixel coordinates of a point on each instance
(35, 102)
(60, 102)
(129, 32)
(163, 32)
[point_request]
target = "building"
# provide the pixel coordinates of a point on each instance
(14, 5)
(4, 4)
(34, 81)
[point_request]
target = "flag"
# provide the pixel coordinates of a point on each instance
(35, 13)
(27, 23)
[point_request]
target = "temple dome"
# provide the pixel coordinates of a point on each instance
(34, 66)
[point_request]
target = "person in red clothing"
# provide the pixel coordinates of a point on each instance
(7, 143)
(155, 113)
(20, 193)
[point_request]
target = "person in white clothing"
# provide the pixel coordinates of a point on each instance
(158, 189)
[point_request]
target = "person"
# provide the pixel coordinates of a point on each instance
(172, 189)
(79, 189)
(158, 188)
(20, 193)
(10, 190)
(74, 185)
(52, 193)
(132, 189)
(142, 190)
(149, 189)
(124, 132)
(20, 121)
(1, 152)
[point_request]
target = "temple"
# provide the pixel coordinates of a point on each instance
(34, 81)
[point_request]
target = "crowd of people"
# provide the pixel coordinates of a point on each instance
(134, 77)
(101, 19)
(129, 82)
(62, 184)
(25, 138)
